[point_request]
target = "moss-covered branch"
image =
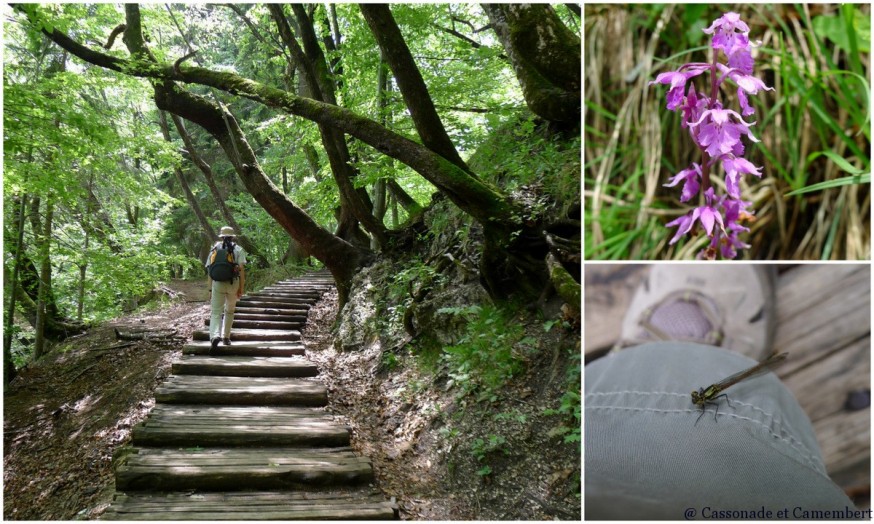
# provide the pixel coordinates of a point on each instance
(565, 285)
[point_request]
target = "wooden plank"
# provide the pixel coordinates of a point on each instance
(242, 348)
(173, 454)
(280, 296)
(249, 366)
(254, 334)
(252, 498)
(378, 511)
(257, 469)
(271, 311)
(846, 457)
(218, 432)
(821, 308)
(194, 389)
(822, 388)
(271, 323)
(285, 304)
(267, 324)
(237, 411)
(269, 316)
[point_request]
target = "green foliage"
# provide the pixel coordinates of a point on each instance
(523, 153)
(481, 448)
(259, 227)
(489, 353)
(570, 408)
(389, 360)
(838, 29)
(515, 416)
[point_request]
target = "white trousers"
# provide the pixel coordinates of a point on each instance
(224, 300)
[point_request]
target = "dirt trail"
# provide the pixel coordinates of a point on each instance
(64, 417)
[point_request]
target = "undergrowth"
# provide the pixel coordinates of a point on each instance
(490, 351)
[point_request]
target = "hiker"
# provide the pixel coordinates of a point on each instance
(227, 279)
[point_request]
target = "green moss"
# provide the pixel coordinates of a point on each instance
(566, 287)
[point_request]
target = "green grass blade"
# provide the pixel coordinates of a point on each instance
(829, 184)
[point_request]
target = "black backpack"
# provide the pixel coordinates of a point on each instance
(222, 266)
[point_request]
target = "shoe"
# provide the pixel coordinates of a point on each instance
(726, 305)
(215, 343)
(226, 341)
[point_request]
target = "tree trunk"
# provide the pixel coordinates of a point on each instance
(29, 279)
(403, 198)
(410, 82)
(8, 365)
(45, 276)
(83, 272)
(315, 70)
(379, 191)
(83, 266)
(104, 230)
(208, 231)
(545, 55)
(56, 329)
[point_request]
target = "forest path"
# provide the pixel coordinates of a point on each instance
(242, 434)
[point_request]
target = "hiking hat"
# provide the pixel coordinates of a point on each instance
(227, 231)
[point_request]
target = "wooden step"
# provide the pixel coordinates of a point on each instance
(245, 366)
(241, 323)
(280, 298)
(297, 289)
(270, 311)
(340, 504)
(211, 469)
(254, 334)
(269, 316)
(284, 304)
(253, 349)
(235, 391)
(226, 426)
(314, 282)
(284, 295)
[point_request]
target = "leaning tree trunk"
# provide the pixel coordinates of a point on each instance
(545, 55)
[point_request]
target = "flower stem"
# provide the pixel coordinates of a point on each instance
(714, 85)
(714, 90)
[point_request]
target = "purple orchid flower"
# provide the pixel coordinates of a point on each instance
(689, 177)
(734, 167)
(678, 80)
(718, 133)
(707, 214)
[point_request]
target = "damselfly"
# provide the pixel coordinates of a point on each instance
(708, 395)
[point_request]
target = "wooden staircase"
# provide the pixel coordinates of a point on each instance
(242, 434)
